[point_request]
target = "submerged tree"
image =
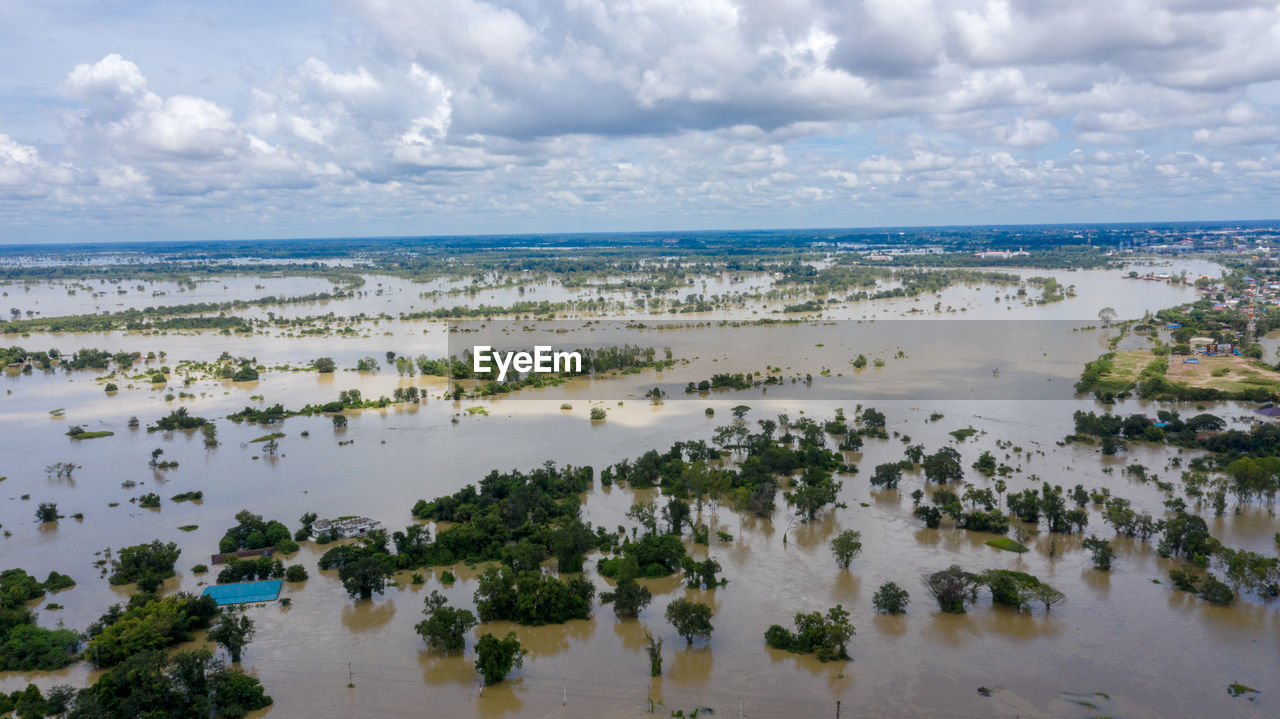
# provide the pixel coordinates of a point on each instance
(815, 490)
(1100, 552)
(890, 599)
(495, 658)
(692, 620)
(952, 588)
(846, 546)
(653, 646)
(825, 636)
(445, 627)
(232, 634)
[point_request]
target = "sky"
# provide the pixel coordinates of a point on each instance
(170, 120)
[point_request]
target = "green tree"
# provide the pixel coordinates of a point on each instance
(943, 466)
(692, 620)
(324, 365)
(47, 512)
(824, 635)
(890, 599)
(147, 565)
(495, 658)
(629, 598)
(366, 575)
(1100, 551)
(846, 546)
(887, 475)
(952, 588)
(815, 490)
(445, 627)
(232, 633)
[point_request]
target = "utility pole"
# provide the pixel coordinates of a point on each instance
(350, 677)
(564, 692)
(837, 709)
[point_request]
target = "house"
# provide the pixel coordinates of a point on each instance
(345, 527)
(1268, 414)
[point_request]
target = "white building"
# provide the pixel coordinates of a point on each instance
(345, 527)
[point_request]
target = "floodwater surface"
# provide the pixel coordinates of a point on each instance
(1124, 643)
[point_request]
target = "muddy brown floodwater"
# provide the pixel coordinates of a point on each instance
(1121, 645)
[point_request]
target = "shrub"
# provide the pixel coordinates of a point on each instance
(890, 599)
(296, 573)
(815, 634)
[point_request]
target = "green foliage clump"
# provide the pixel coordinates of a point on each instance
(691, 620)
(248, 570)
(825, 636)
(531, 597)
(952, 588)
(495, 658)
(147, 623)
(177, 419)
(25, 646)
(147, 565)
(445, 627)
(846, 546)
(252, 532)
(890, 599)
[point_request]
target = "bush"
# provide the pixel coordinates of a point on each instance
(1215, 591)
(246, 373)
(324, 365)
(200, 569)
(825, 636)
(890, 599)
(598, 414)
(296, 573)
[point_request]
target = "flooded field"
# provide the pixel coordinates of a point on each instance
(1122, 644)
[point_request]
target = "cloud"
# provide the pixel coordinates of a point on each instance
(502, 115)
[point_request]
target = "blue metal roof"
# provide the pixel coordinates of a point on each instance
(245, 592)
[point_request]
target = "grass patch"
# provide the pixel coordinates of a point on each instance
(1007, 544)
(477, 410)
(267, 437)
(1237, 689)
(188, 496)
(92, 435)
(188, 528)
(963, 434)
